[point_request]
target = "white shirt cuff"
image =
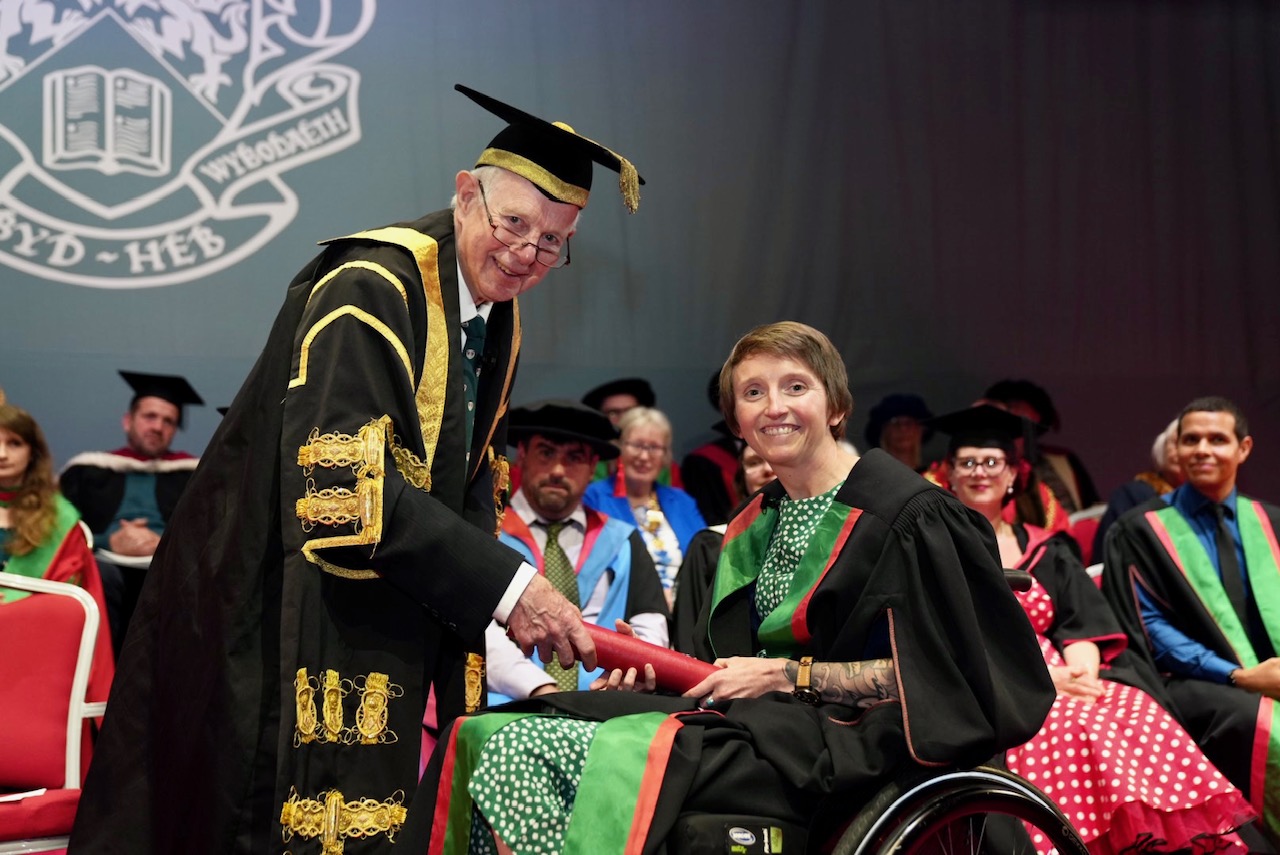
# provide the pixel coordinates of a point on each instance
(524, 575)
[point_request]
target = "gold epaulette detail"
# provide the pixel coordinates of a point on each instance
(409, 466)
(335, 689)
(371, 718)
(333, 819)
(473, 681)
(304, 689)
(500, 469)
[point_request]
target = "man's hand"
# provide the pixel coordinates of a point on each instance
(1263, 678)
(134, 538)
(545, 620)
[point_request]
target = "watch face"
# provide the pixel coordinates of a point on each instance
(807, 695)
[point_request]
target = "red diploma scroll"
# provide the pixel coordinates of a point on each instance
(675, 671)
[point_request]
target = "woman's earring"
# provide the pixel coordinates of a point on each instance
(1009, 492)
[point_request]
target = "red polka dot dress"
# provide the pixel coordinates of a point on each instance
(1122, 770)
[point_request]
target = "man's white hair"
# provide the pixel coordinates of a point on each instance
(1157, 448)
(493, 177)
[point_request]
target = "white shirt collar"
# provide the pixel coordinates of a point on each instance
(467, 308)
(520, 504)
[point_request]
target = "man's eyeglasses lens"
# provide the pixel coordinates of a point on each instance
(989, 465)
(546, 256)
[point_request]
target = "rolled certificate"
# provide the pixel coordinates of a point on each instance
(675, 671)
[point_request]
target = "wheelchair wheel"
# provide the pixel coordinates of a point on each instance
(973, 810)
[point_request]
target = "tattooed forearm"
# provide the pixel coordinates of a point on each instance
(854, 684)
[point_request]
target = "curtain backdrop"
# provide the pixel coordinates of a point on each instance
(1080, 193)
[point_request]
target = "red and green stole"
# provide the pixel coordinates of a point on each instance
(786, 629)
(1262, 563)
(616, 794)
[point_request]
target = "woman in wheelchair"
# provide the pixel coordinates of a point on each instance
(862, 628)
(1116, 762)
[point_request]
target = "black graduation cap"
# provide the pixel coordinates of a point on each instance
(552, 155)
(985, 426)
(168, 387)
(561, 420)
(636, 387)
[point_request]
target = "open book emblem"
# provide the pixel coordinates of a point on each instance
(145, 141)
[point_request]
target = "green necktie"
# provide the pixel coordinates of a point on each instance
(473, 352)
(561, 575)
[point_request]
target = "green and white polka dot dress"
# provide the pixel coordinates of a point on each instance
(797, 518)
(525, 784)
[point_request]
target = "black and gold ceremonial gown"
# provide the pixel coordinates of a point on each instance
(333, 558)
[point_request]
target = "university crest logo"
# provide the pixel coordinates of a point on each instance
(145, 142)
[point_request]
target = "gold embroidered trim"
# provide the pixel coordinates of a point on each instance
(335, 450)
(339, 505)
(304, 689)
(505, 400)
(330, 506)
(410, 467)
(342, 572)
(335, 689)
(522, 166)
(434, 382)
(362, 265)
(473, 681)
(500, 469)
(364, 317)
(371, 718)
(333, 819)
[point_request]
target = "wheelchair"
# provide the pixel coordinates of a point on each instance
(983, 809)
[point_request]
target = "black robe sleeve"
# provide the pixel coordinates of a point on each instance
(351, 440)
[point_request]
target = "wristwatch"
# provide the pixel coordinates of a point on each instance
(804, 692)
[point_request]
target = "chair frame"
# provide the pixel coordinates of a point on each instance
(78, 710)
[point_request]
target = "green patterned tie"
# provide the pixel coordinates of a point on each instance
(560, 574)
(472, 353)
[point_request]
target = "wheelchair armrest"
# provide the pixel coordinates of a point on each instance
(1019, 580)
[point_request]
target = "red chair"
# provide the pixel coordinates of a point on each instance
(48, 642)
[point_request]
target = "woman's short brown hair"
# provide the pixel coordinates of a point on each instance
(803, 343)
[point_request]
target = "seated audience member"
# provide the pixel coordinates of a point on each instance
(1058, 467)
(1164, 478)
(666, 516)
(710, 472)
(599, 563)
(40, 532)
(1194, 577)
(1124, 743)
(1034, 503)
(898, 425)
(699, 567)
(827, 623)
(614, 399)
(126, 496)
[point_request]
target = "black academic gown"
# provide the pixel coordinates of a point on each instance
(95, 482)
(332, 559)
(1235, 728)
(916, 579)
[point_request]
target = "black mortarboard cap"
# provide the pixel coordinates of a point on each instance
(169, 387)
(985, 426)
(562, 420)
(552, 155)
(636, 387)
